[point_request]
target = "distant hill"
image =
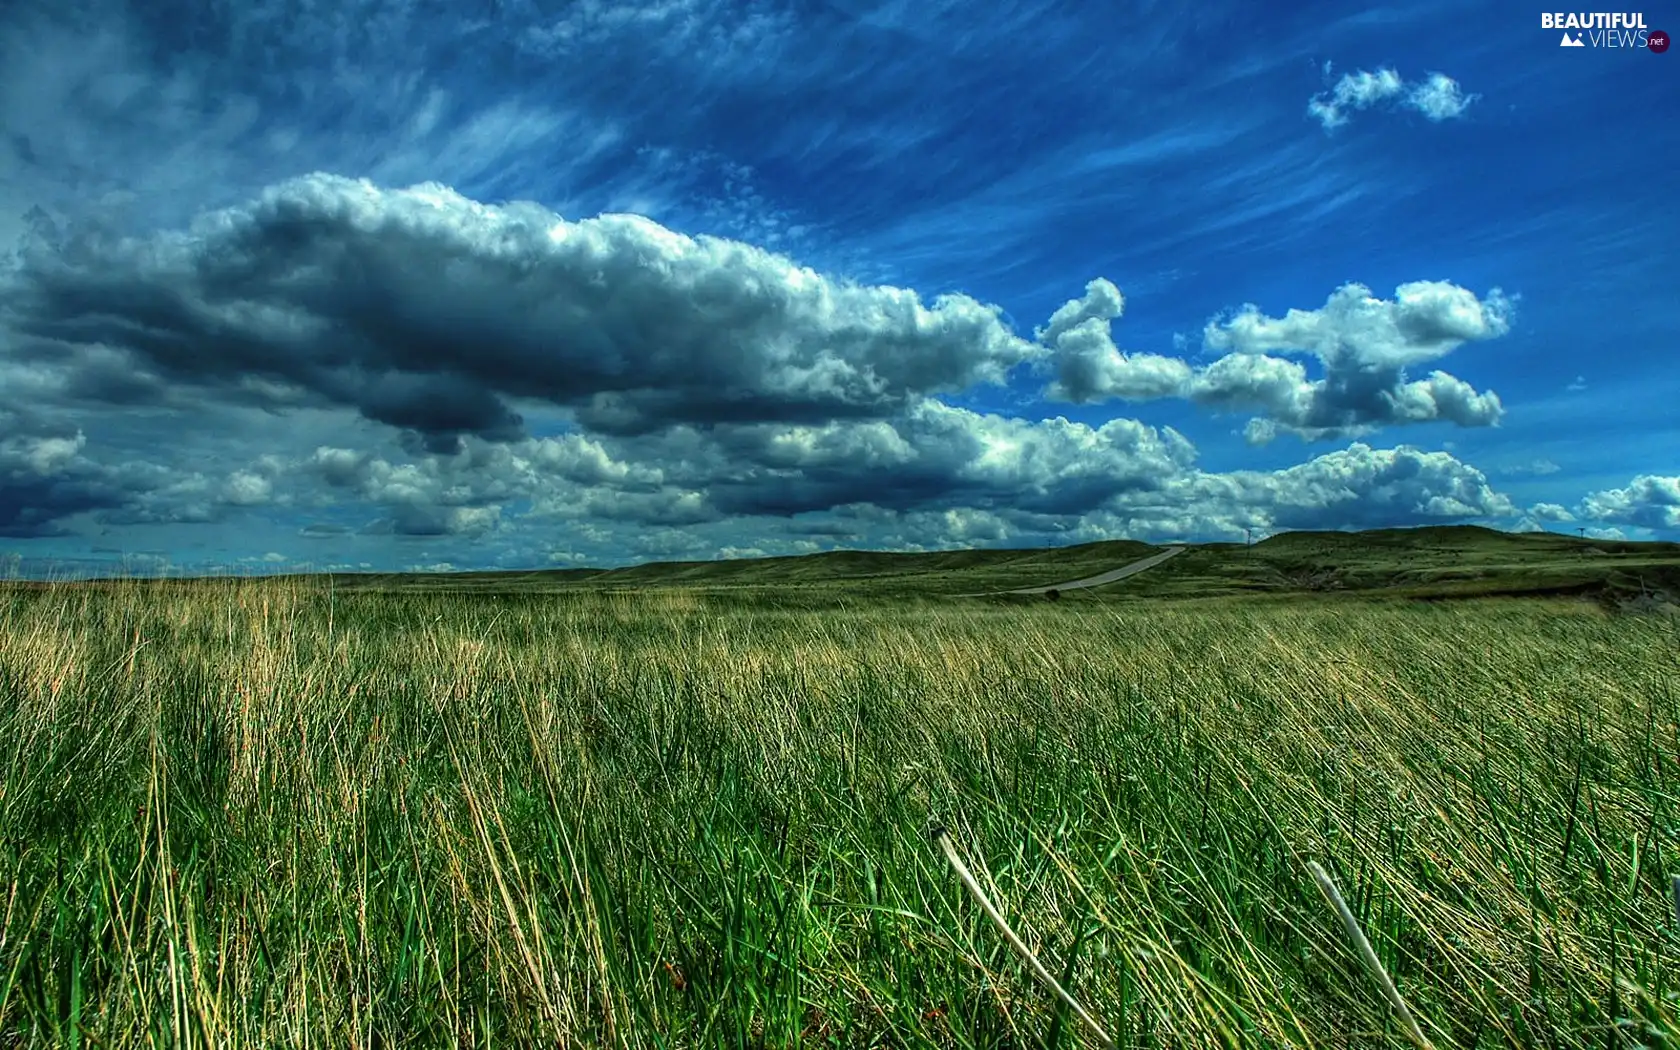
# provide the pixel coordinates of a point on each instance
(1431, 562)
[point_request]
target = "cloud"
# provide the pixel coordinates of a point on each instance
(44, 480)
(50, 479)
(939, 457)
(463, 492)
(247, 489)
(1438, 97)
(1649, 502)
(673, 26)
(1363, 344)
(1358, 486)
(1358, 90)
(430, 312)
(933, 457)
(1578, 384)
(937, 476)
(1088, 365)
(1533, 468)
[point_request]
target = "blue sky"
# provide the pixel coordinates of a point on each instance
(397, 284)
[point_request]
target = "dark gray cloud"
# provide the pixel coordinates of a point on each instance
(46, 479)
(430, 312)
(33, 506)
(936, 456)
(440, 316)
(937, 476)
(932, 457)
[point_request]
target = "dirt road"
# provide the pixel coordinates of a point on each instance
(1098, 580)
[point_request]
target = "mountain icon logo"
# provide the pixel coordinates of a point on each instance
(1571, 41)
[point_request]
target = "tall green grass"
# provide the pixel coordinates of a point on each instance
(249, 814)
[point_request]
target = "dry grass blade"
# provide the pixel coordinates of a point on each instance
(1368, 955)
(943, 838)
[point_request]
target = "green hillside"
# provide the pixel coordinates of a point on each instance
(1422, 563)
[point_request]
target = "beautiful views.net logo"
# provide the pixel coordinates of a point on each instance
(1605, 29)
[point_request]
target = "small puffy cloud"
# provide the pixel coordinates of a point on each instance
(1424, 320)
(1550, 512)
(1357, 90)
(1648, 502)
(440, 521)
(1102, 301)
(1363, 344)
(247, 489)
(1438, 97)
(674, 507)
(1088, 365)
(430, 312)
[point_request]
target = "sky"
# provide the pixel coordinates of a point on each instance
(423, 285)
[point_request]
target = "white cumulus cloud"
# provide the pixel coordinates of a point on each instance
(1364, 346)
(1649, 501)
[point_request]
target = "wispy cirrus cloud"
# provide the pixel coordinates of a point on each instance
(1438, 97)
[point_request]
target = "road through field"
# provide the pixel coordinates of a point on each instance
(1095, 581)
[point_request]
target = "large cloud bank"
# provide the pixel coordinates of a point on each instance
(500, 371)
(431, 312)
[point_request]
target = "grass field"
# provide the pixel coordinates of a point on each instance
(372, 815)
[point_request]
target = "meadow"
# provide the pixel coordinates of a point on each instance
(278, 812)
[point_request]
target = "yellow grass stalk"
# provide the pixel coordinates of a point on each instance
(1368, 956)
(943, 838)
